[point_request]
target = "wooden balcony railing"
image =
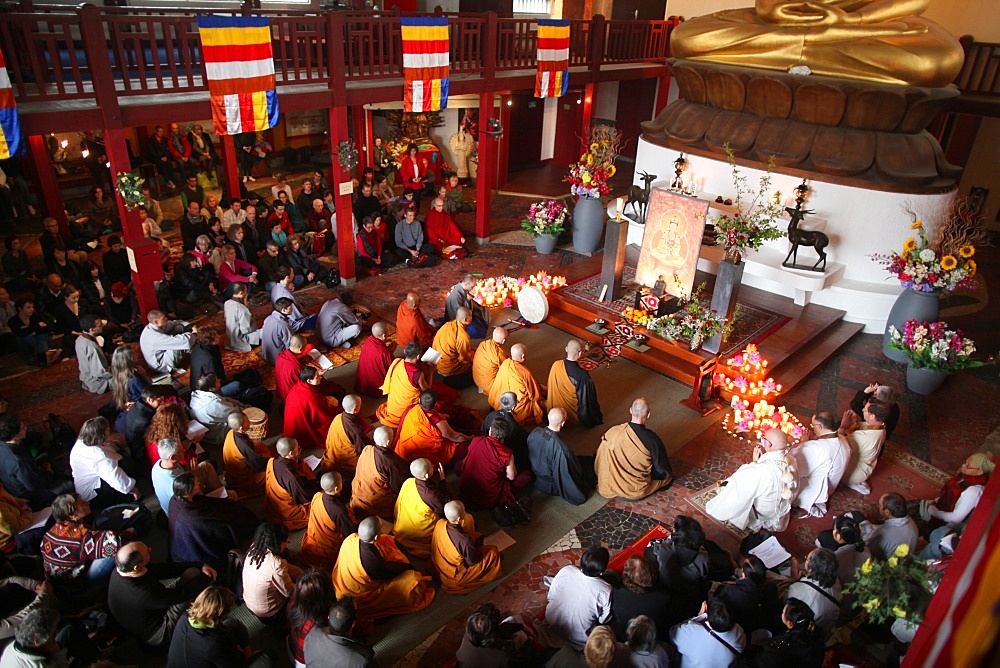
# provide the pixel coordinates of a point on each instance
(52, 56)
(980, 73)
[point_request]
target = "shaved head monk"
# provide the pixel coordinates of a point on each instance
(458, 558)
(425, 432)
(487, 360)
(346, 439)
(329, 522)
(243, 460)
(411, 324)
(514, 376)
(631, 460)
(404, 381)
(419, 506)
(572, 389)
(379, 477)
(287, 490)
(455, 346)
(376, 356)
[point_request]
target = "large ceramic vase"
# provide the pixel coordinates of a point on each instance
(545, 243)
(910, 305)
(924, 381)
(588, 224)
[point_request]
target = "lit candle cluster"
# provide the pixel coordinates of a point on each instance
(744, 376)
(760, 417)
(502, 291)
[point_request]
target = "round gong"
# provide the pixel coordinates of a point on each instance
(533, 304)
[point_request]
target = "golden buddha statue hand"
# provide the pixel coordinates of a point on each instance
(872, 40)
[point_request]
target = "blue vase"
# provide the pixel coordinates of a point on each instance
(910, 305)
(545, 243)
(924, 381)
(588, 224)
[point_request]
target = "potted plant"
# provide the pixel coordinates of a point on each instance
(933, 352)
(129, 187)
(898, 588)
(588, 179)
(753, 221)
(347, 155)
(693, 321)
(544, 222)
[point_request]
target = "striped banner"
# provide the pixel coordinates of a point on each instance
(552, 78)
(239, 70)
(426, 63)
(10, 126)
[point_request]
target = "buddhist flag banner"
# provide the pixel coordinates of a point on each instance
(552, 78)
(239, 69)
(10, 126)
(426, 63)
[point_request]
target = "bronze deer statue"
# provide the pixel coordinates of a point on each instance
(640, 196)
(798, 237)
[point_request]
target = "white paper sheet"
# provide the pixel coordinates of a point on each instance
(196, 430)
(312, 461)
(220, 493)
(324, 363)
(39, 518)
(771, 552)
(432, 356)
(500, 538)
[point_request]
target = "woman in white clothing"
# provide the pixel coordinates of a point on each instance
(97, 476)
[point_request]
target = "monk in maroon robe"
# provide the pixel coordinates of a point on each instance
(308, 411)
(442, 230)
(376, 356)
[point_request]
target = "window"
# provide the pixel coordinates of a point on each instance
(533, 7)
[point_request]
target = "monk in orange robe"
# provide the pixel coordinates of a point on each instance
(287, 491)
(458, 555)
(514, 376)
(441, 228)
(572, 389)
(455, 346)
(378, 478)
(243, 460)
(403, 383)
(411, 325)
(419, 506)
(425, 432)
(346, 439)
(329, 522)
(372, 569)
(376, 356)
(487, 360)
(308, 411)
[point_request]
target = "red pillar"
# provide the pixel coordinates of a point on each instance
(230, 171)
(340, 181)
(368, 138)
(587, 115)
(486, 176)
(50, 198)
(359, 139)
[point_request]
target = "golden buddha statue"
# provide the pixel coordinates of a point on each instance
(873, 40)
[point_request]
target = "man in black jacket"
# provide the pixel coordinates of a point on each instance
(333, 645)
(137, 420)
(20, 474)
(204, 528)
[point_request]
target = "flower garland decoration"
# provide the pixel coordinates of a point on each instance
(901, 586)
(347, 155)
(129, 187)
(753, 221)
(589, 176)
(693, 320)
(924, 265)
(545, 218)
(932, 345)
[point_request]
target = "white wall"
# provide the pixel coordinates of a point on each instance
(549, 119)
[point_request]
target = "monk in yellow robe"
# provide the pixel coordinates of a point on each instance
(458, 555)
(487, 360)
(411, 325)
(514, 376)
(287, 492)
(329, 522)
(346, 439)
(372, 569)
(572, 389)
(403, 383)
(631, 460)
(243, 460)
(425, 432)
(455, 346)
(378, 478)
(419, 506)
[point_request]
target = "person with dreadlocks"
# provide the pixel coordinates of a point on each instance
(268, 579)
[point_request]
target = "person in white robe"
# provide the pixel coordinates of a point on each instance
(95, 373)
(820, 463)
(242, 333)
(164, 342)
(759, 494)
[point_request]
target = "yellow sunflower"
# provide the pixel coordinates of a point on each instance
(611, 171)
(583, 158)
(594, 146)
(948, 262)
(909, 244)
(967, 251)
(590, 159)
(916, 225)
(971, 265)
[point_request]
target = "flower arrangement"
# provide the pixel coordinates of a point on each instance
(589, 176)
(901, 586)
(694, 321)
(129, 187)
(753, 221)
(502, 291)
(931, 345)
(347, 155)
(262, 149)
(944, 262)
(545, 218)
(493, 125)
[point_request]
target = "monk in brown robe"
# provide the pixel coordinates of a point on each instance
(329, 522)
(572, 389)
(455, 346)
(487, 360)
(346, 439)
(411, 324)
(419, 506)
(458, 555)
(376, 356)
(425, 432)
(288, 490)
(631, 460)
(514, 376)
(372, 569)
(403, 384)
(243, 460)
(379, 477)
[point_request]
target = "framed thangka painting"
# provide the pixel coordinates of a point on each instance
(672, 242)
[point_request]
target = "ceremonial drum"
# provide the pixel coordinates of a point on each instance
(258, 423)
(533, 304)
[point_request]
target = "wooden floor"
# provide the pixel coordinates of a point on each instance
(811, 336)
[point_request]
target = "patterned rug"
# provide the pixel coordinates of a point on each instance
(753, 324)
(897, 471)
